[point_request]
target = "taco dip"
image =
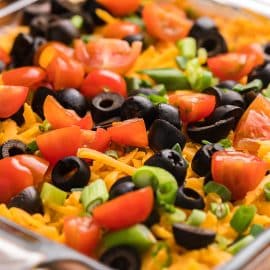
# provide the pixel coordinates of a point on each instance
(137, 132)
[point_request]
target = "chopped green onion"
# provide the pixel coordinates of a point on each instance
(205, 142)
(266, 190)
(177, 148)
(32, 147)
(187, 47)
(222, 241)
(176, 217)
(221, 190)
(112, 153)
(86, 38)
(202, 55)
(225, 143)
(256, 229)
(220, 210)
(243, 217)
(136, 20)
(242, 243)
(51, 194)
(136, 83)
(160, 88)
(156, 99)
(181, 62)
(45, 126)
(77, 21)
(94, 194)
(157, 248)
(196, 218)
(255, 85)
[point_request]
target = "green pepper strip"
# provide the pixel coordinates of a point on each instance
(162, 182)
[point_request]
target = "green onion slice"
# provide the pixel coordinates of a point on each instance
(51, 194)
(242, 243)
(196, 218)
(220, 210)
(266, 190)
(221, 190)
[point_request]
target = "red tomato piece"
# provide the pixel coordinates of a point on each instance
(120, 29)
(120, 7)
(14, 177)
(37, 165)
(255, 50)
(11, 99)
(57, 144)
(24, 76)
(130, 132)
(253, 125)
(239, 172)
(231, 66)
(65, 72)
(193, 107)
(4, 56)
(99, 140)
(59, 117)
(99, 81)
(112, 54)
(165, 21)
(126, 210)
(82, 234)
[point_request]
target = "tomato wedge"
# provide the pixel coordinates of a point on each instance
(14, 177)
(112, 54)
(102, 80)
(57, 144)
(239, 172)
(232, 66)
(254, 125)
(120, 29)
(165, 21)
(193, 107)
(120, 7)
(130, 132)
(59, 117)
(82, 234)
(11, 99)
(126, 210)
(24, 76)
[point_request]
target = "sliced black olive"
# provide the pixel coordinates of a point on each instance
(153, 218)
(201, 162)
(226, 96)
(223, 112)
(266, 49)
(122, 258)
(90, 7)
(70, 172)
(262, 73)
(143, 91)
(12, 148)
(88, 23)
(189, 199)
(105, 106)
(71, 98)
(39, 25)
(229, 84)
(122, 180)
(18, 117)
(131, 38)
(166, 112)
(28, 200)
(207, 36)
(121, 188)
(137, 107)
(191, 237)
(163, 135)
(172, 162)
(213, 132)
(250, 96)
(107, 123)
(32, 11)
(62, 30)
(62, 7)
(38, 100)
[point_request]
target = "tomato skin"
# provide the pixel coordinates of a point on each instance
(65, 72)
(24, 76)
(4, 56)
(165, 21)
(57, 144)
(59, 117)
(98, 80)
(120, 7)
(11, 99)
(254, 49)
(82, 234)
(130, 132)
(120, 29)
(111, 54)
(239, 172)
(14, 177)
(231, 66)
(193, 107)
(125, 210)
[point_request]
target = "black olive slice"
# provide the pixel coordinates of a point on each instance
(131, 38)
(39, 26)
(143, 91)
(191, 237)
(12, 148)
(18, 116)
(172, 162)
(122, 258)
(90, 7)
(189, 199)
(62, 7)
(229, 84)
(28, 200)
(32, 11)
(213, 132)
(201, 162)
(163, 135)
(262, 73)
(71, 98)
(266, 49)
(105, 106)
(70, 172)
(122, 180)
(121, 189)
